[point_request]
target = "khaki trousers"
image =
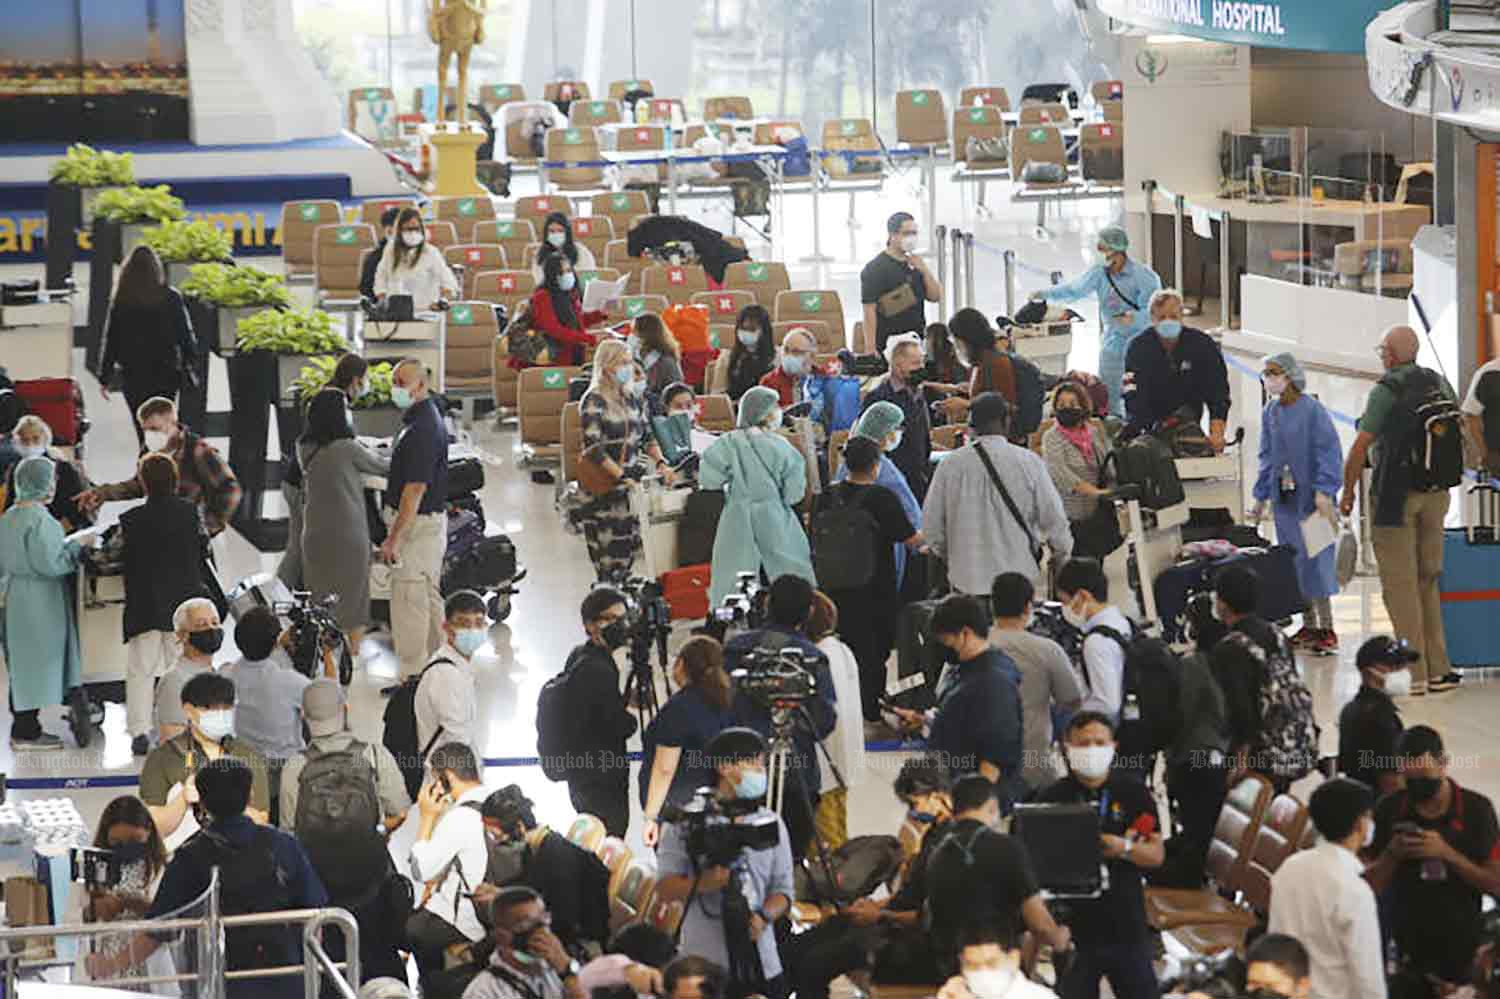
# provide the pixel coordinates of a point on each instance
(1411, 559)
(416, 600)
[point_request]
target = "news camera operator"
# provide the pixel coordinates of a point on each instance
(728, 858)
(790, 604)
(137, 859)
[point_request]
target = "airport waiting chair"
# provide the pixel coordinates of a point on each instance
(677, 284)
(994, 97)
(338, 253)
(299, 223)
(921, 119)
(763, 279)
(464, 212)
(511, 235)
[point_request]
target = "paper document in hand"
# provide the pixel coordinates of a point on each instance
(598, 293)
(1318, 533)
(83, 535)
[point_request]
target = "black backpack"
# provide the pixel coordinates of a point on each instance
(250, 881)
(1151, 696)
(1148, 462)
(860, 866)
(401, 730)
(555, 725)
(337, 797)
(1430, 438)
(1030, 389)
(844, 538)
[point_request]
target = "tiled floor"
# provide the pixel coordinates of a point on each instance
(532, 644)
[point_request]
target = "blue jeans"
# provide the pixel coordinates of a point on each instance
(1127, 966)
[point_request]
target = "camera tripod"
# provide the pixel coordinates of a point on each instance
(648, 645)
(785, 718)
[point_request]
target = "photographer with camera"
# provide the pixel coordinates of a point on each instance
(790, 605)
(728, 858)
(448, 859)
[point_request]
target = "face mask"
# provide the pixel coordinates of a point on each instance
(401, 396)
(909, 244)
(156, 440)
(1091, 762)
(991, 983)
(32, 450)
(623, 375)
(349, 418)
(216, 725)
(749, 338)
(1422, 789)
(1073, 617)
(557, 239)
(1070, 417)
(1369, 838)
(129, 853)
(752, 785)
(634, 343)
(895, 443)
(922, 818)
(793, 364)
(773, 422)
(468, 640)
(1398, 682)
(951, 655)
(1169, 329)
(518, 945)
(652, 356)
(615, 634)
(1104, 256)
(566, 281)
(206, 641)
(364, 390)
(1275, 384)
(411, 238)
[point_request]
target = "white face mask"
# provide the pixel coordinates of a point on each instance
(990, 983)
(31, 450)
(894, 442)
(216, 724)
(411, 238)
(557, 239)
(909, 244)
(1398, 682)
(156, 440)
(1369, 833)
(1275, 384)
(1091, 762)
(1073, 617)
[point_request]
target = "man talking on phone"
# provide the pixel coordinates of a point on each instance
(893, 286)
(1437, 850)
(449, 857)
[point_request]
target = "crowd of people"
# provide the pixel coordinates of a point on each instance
(250, 766)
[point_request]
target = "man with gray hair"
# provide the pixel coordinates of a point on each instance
(195, 623)
(913, 452)
(1408, 514)
(1175, 371)
(793, 366)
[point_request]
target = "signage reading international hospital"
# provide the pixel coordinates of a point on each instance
(1322, 25)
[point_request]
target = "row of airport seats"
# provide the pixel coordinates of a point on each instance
(632, 879)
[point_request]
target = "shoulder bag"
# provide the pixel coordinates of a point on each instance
(1010, 504)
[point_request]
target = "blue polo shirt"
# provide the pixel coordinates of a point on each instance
(420, 455)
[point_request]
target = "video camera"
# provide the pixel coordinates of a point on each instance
(313, 629)
(1217, 977)
(714, 838)
(96, 868)
(744, 606)
(776, 676)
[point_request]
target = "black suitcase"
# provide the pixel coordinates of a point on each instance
(1280, 593)
(487, 565)
(917, 651)
(466, 475)
(699, 524)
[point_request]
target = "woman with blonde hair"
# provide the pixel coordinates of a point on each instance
(659, 355)
(409, 265)
(673, 765)
(616, 433)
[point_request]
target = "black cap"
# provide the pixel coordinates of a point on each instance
(1383, 650)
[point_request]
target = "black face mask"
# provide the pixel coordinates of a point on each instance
(129, 853)
(1422, 789)
(1070, 417)
(615, 634)
(950, 655)
(206, 641)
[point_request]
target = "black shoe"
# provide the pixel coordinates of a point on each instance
(78, 717)
(388, 691)
(1444, 683)
(140, 746)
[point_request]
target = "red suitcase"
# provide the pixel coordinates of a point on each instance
(686, 592)
(59, 401)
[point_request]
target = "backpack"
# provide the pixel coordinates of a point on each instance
(401, 730)
(1430, 439)
(1030, 390)
(844, 539)
(250, 881)
(336, 796)
(1150, 695)
(524, 342)
(1148, 462)
(1184, 435)
(555, 726)
(860, 866)
(1289, 734)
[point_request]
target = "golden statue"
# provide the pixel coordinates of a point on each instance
(456, 26)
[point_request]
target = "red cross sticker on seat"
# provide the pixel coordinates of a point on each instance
(986, 97)
(386, 206)
(726, 304)
(474, 255)
(583, 227)
(544, 204)
(1116, 89)
(663, 107)
(1106, 131)
(507, 283)
(676, 276)
(643, 135)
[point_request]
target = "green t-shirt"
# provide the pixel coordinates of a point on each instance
(1382, 399)
(168, 764)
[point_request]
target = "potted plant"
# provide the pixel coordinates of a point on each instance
(92, 172)
(292, 335)
(374, 413)
(235, 293)
(133, 208)
(181, 244)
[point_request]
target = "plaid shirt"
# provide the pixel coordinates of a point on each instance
(204, 478)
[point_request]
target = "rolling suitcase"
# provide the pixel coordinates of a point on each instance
(1468, 587)
(465, 531)
(466, 475)
(488, 564)
(59, 402)
(699, 524)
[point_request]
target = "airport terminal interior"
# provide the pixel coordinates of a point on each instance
(1307, 179)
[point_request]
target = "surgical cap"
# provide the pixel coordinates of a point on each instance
(880, 421)
(384, 988)
(35, 479)
(1290, 365)
(756, 405)
(1113, 238)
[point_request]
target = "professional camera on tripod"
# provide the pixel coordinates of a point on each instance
(650, 623)
(744, 607)
(314, 630)
(776, 678)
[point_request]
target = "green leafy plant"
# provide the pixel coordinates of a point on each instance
(318, 371)
(232, 287)
(139, 204)
(290, 331)
(185, 242)
(85, 166)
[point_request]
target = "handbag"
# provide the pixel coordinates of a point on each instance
(897, 300)
(592, 476)
(1010, 504)
(1098, 535)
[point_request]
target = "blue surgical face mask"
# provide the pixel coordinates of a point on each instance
(920, 817)
(751, 786)
(469, 640)
(557, 239)
(624, 374)
(749, 338)
(217, 724)
(1169, 329)
(793, 364)
(652, 356)
(566, 281)
(401, 396)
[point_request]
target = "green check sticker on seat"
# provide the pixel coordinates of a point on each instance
(1037, 135)
(622, 201)
(597, 108)
(463, 315)
(373, 94)
(634, 307)
(573, 136)
(977, 114)
(505, 230)
(466, 206)
(502, 91)
(309, 212)
(812, 303)
(848, 128)
(345, 234)
(584, 277)
(756, 272)
(553, 380)
(919, 98)
(713, 340)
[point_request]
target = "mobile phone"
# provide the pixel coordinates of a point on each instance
(1406, 829)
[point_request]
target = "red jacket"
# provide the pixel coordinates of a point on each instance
(569, 340)
(778, 379)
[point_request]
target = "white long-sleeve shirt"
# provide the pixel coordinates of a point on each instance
(426, 281)
(1104, 663)
(1320, 897)
(446, 699)
(457, 844)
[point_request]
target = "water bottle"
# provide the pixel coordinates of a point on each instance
(1288, 483)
